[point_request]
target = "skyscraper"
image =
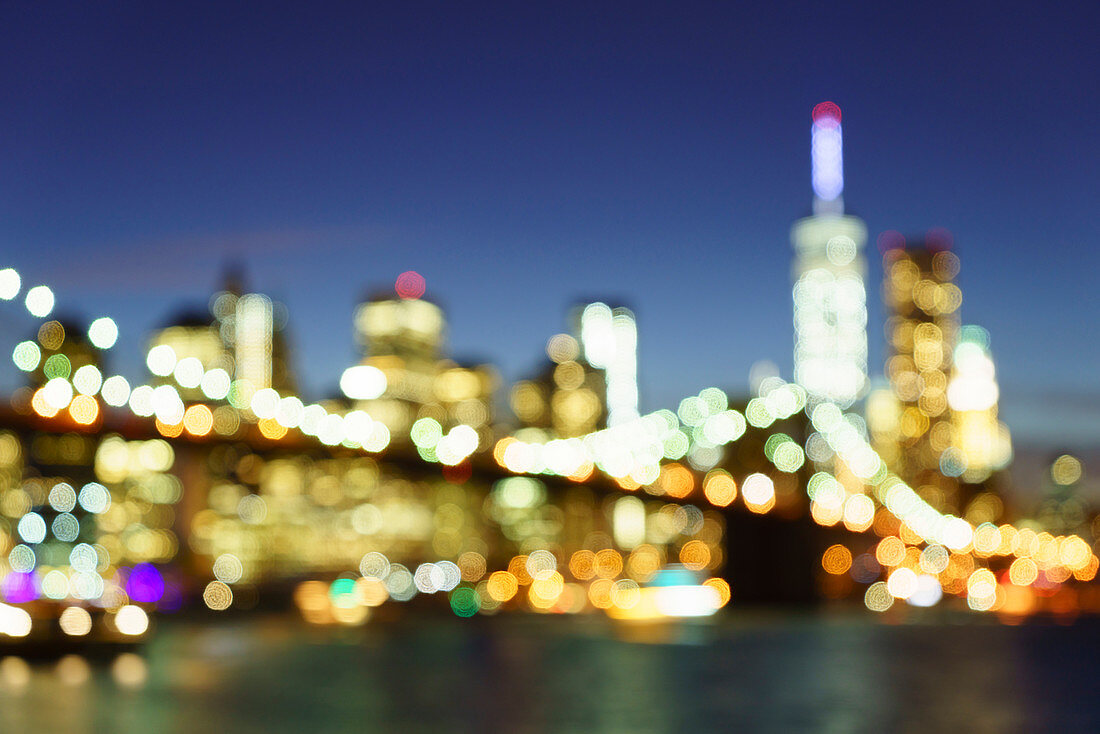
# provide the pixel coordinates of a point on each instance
(402, 337)
(609, 339)
(253, 336)
(566, 398)
(243, 334)
(830, 302)
(404, 375)
(983, 443)
(921, 332)
(193, 335)
(591, 380)
(936, 424)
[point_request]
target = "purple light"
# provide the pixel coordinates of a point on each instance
(144, 583)
(19, 587)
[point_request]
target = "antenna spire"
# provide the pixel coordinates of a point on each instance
(827, 156)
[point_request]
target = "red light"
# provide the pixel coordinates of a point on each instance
(891, 240)
(459, 473)
(826, 113)
(410, 285)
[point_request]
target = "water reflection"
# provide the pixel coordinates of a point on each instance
(536, 674)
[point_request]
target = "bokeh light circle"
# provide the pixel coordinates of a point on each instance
(826, 113)
(410, 285)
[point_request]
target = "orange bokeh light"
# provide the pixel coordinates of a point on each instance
(84, 409)
(198, 420)
(720, 488)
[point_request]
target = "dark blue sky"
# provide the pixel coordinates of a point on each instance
(520, 157)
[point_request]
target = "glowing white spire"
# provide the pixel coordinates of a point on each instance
(827, 154)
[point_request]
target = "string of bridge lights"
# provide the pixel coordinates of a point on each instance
(633, 449)
(631, 453)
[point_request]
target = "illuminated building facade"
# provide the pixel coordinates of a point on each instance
(87, 522)
(242, 336)
(253, 333)
(253, 330)
(566, 399)
(830, 302)
(609, 341)
(404, 378)
(982, 442)
(592, 379)
(392, 534)
(914, 426)
(556, 525)
(465, 395)
(403, 343)
(196, 342)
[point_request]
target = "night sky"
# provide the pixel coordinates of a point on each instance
(523, 157)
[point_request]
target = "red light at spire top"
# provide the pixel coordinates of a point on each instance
(410, 285)
(826, 112)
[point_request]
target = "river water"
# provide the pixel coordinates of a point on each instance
(743, 673)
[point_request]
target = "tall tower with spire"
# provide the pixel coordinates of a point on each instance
(830, 301)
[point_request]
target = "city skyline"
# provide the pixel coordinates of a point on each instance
(645, 366)
(479, 247)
